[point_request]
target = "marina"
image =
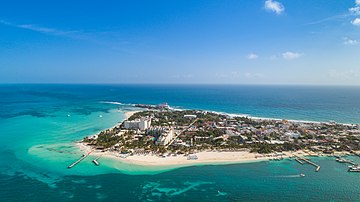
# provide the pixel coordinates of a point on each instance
(343, 160)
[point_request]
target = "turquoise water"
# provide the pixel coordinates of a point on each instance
(37, 144)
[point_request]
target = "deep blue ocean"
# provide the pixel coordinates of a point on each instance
(40, 124)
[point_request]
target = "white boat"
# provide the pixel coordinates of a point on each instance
(302, 175)
(354, 168)
(341, 160)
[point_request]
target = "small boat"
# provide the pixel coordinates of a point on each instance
(354, 168)
(342, 160)
(302, 175)
(100, 116)
(68, 115)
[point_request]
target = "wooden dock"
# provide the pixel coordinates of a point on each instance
(79, 160)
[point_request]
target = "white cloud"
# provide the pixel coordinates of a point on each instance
(274, 6)
(36, 28)
(355, 10)
(356, 22)
(252, 56)
(351, 42)
(98, 38)
(357, 2)
(291, 55)
(44, 30)
(253, 75)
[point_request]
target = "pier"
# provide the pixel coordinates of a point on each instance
(311, 163)
(299, 161)
(342, 160)
(95, 161)
(302, 160)
(79, 160)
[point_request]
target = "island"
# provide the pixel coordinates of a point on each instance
(159, 135)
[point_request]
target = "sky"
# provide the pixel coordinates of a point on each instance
(290, 42)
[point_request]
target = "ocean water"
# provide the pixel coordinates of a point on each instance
(38, 143)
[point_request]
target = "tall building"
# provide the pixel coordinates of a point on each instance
(163, 135)
(141, 124)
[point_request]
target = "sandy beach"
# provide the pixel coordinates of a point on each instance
(130, 113)
(204, 157)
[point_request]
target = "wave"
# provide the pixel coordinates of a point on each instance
(111, 102)
(179, 108)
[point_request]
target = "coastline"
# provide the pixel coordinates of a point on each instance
(128, 114)
(239, 115)
(203, 157)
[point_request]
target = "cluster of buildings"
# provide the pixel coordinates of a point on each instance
(322, 137)
(201, 130)
(162, 135)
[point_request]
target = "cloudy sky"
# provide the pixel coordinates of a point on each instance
(204, 41)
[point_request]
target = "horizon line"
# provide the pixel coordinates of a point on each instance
(184, 84)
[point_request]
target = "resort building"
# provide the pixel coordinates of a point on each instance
(141, 124)
(190, 116)
(163, 135)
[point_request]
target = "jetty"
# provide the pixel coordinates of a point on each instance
(79, 160)
(302, 160)
(95, 161)
(299, 161)
(343, 160)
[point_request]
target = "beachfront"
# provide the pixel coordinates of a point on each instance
(151, 138)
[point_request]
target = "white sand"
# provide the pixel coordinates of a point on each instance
(130, 113)
(181, 160)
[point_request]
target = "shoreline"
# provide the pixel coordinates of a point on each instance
(155, 162)
(204, 157)
(238, 115)
(128, 114)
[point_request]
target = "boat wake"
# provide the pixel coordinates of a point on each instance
(288, 176)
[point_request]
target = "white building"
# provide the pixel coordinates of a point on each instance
(166, 136)
(190, 116)
(142, 124)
